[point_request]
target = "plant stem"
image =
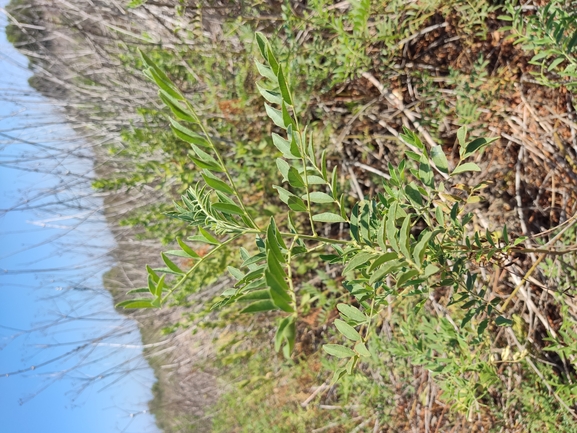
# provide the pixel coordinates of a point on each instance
(196, 265)
(289, 274)
(221, 162)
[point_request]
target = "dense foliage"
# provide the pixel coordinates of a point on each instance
(405, 200)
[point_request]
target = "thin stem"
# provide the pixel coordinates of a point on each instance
(316, 238)
(221, 162)
(303, 158)
(514, 249)
(305, 237)
(370, 320)
(289, 274)
(197, 264)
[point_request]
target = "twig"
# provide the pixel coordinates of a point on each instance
(371, 169)
(421, 33)
(536, 263)
(310, 398)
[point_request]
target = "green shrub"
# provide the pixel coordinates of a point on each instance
(403, 245)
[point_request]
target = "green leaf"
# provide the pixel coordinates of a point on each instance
(351, 365)
(339, 373)
(334, 181)
(170, 265)
(216, 184)
(165, 84)
(274, 254)
(289, 333)
(284, 194)
(461, 137)
(315, 180)
(167, 271)
(505, 234)
(382, 259)
(338, 350)
(262, 44)
(236, 273)
(327, 217)
(151, 286)
(275, 115)
(177, 108)
(227, 208)
(413, 155)
(280, 143)
(381, 234)
(318, 197)
(283, 167)
(555, 63)
(572, 42)
(482, 326)
(489, 237)
(286, 117)
(178, 253)
(284, 90)
(324, 165)
(430, 270)
(354, 222)
(404, 240)
(419, 251)
(469, 166)
(519, 240)
(266, 72)
(365, 222)
(257, 295)
(477, 145)
(362, 350)
(391, 227)
(382, 272)
(206, 165)
(412, 138)
(259, 306)
(455, 211)
(353, 313)
(279, 336)
(136, 304)
(210, 238)
(269, 95)
(439, 158)
(278, 291)
(406, 276)
(295, 178)
(539, 56)
(152, 65)
(159, 287)
(253, 260)
(413, 193)
(139, 290)
(188, 135)
(347, 330)
(502, 321)
(425, 173)
(357, 261)
(295, 203)
(272, 60)
(204, 156)
(152, 274)
(440, 216)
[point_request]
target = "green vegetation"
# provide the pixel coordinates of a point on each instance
(394, 230)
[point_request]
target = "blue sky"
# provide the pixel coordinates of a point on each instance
(89, 374)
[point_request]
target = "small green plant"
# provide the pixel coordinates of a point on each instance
(410, 240)
(551, 34)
